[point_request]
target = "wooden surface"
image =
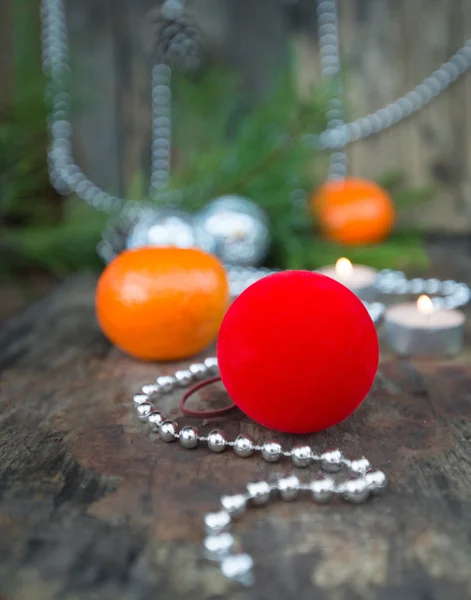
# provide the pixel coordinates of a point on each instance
(93, 507)
(388, 46)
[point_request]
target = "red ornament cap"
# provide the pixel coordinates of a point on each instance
(297, 352)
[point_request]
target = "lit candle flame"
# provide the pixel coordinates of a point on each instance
(343, 268)
(425, 305)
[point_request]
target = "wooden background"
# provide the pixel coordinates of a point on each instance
(388, 47)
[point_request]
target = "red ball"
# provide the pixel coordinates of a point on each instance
(297, 352)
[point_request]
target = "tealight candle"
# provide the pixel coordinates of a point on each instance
(360, 279)
(418, 329)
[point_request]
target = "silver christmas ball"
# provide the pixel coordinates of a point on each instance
(146, 225)
(239, 228)
(168, 227)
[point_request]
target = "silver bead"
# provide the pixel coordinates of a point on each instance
(216, 522)
(239, 568)
(166, 383)
(155, 420)
(198, 370)
(432, 286)
(188, 437)
(259, 492)
(322, 489)
(400, 287)
(331, 460)
(217, 547)
(140, 399)
(211, 364)
(360, 465)
(356, 490)
(271, 451)
(234, 505)
(301, 455)
(169, 431)
(448, 286)
(376, 481)
(217, 440)
(183, 377)
(244, 445)
(150, 389)
(143, 410)
(288, 487)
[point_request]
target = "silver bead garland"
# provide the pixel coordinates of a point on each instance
(218, 545)
(445, 294)
(161, 129)
(330, 71)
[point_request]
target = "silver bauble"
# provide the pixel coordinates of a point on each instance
(239, 228)
(168, 227)
(145, 225)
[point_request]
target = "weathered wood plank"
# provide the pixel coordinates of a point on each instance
(97, 127)
(91, 506)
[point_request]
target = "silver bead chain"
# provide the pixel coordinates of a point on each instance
(219, 544)
(447, 294)
(66, 176)
(330, 70)
(402, 108)
(361, 481)
(161, 129)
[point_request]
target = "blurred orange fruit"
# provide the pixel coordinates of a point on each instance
(162, 303)
(353, 211)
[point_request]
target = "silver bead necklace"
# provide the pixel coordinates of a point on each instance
(161, 129)
(219, 545)
(330, 71)
(67, 177)
(447, 294)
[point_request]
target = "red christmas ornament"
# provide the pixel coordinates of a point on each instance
(297, 352)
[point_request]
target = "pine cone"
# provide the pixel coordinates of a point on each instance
(173, 37)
